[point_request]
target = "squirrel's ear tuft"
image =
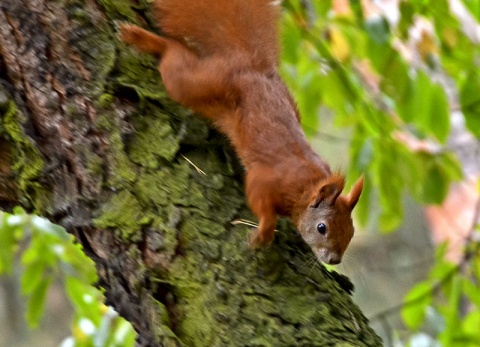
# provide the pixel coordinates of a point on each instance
(329, 190)
(354, 195)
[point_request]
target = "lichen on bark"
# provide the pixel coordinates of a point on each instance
(25, 159)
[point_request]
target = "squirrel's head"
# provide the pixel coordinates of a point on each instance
(326, 224)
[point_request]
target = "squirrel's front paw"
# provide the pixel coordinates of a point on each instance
(257, 239)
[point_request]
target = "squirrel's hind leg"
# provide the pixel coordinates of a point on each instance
(203, 84)
(142, 39)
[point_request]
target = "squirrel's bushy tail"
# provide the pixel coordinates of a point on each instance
(220, 26)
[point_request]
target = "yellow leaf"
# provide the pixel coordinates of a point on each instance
(103, 309)
(78, 334)
(427, 45)
(339, 45)
(450, 37)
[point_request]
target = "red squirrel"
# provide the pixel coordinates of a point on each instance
(220, 58)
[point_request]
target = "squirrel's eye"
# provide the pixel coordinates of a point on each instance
(322, 228)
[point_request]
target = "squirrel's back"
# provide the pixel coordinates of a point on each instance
(223, 26)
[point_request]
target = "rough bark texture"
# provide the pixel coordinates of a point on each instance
(89, 138)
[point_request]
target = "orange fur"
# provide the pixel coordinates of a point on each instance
(220, 57)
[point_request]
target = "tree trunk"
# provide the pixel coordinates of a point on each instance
(89, 138)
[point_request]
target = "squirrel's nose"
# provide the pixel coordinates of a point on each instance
(334, 258)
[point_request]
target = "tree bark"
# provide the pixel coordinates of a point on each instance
(89, 138)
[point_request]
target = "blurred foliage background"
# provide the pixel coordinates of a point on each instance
(42, 254)
(389, 89)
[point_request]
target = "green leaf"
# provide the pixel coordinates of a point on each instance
(435, 185)
(76, 263)
(390, 218)
(45, 226)
(439, 113)
(336, 99)
(39, 251)
(410, 168)
(442, 273)
(124, 334)
(378, 30)
(417, 108)
(415, 303)
(440, 253)
(322, 7)
(470, 101)
(453, 329)
(472, 291)
(308, 100)
(18, 210)
(32, 277)
(425, 105)
(407, 14)
(8, 241)
(452, 166)
(36, 302)
(390, 186)
(474, 8)
(472, 117)
(76, 293)
(84, 298)
(396, 81)
(470, 326)
(292, 39)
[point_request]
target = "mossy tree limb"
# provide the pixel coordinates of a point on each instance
(90, 139)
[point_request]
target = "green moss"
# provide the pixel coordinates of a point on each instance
(139, 72)
(225, 202)
(94, 164)
(71, 111)
(105, 122)
(124, 213)
(102, 46)
(119, 8)
(11, 121)
(161, 326)
(196, 288)
(195, 130)
(154, 139)
(301, 308)
(270, 304)
(105, 101)
(195, 307)
(167, 243)
(164, 187)
(96, 43)
(213, 167)
(27, 161)
(195, 225)
(162, 329)
(122, 172)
